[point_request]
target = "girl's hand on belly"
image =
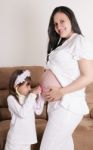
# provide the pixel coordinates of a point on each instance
(52, 94)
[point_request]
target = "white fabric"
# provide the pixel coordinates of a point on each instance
(63, 62)
(9, 146)
(59, 130)
(21, 78)
(22, 127)
(40, 105)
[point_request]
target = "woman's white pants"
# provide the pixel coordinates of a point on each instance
(9, 146)
(59, 129)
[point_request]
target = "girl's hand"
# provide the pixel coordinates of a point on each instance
(37, 90)
(52, 94)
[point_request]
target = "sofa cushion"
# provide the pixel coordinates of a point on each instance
(86, 123)
(4, 114)
(3, 98)
(4, 127)
(40, 127)
(83, 135)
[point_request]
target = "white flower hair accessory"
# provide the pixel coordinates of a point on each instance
(21, 78)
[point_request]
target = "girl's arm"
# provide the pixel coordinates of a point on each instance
(39, 106)
(19, 110)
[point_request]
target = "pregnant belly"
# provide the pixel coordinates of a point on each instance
(48, 79)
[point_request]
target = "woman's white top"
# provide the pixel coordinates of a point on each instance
(22, 127)
(63, 62)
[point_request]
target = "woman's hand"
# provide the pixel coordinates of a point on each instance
(52, 94)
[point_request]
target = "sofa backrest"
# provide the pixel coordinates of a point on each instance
(5, 74)
(36, 71)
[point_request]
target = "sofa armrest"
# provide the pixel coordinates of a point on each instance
(91, 113)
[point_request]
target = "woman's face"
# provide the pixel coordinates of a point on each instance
(62, 25)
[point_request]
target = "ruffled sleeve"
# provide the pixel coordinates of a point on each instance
(83, 49)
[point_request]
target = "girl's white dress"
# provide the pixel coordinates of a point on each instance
(22, 127)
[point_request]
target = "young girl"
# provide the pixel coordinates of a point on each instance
(22, 104)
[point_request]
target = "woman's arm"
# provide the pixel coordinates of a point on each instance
(85, 78)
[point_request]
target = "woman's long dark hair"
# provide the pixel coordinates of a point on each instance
(53, 36)
(13, 78)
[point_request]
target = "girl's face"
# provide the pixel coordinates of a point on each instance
(25, 88)
(62, 25)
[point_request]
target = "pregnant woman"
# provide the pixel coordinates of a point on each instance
(49, 79)
(69, 71)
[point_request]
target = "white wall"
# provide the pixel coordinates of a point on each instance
(23, 28)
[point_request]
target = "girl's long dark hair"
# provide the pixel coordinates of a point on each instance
(53, 36)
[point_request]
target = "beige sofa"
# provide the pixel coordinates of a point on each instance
(83, 135)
